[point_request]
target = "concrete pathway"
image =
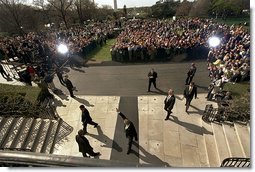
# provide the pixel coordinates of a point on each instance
(177, 142)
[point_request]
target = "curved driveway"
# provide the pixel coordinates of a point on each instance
(131, 80)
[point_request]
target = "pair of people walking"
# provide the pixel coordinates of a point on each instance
(189, 92)
(83, 143)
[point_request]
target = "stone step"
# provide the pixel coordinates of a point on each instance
(243, 137)
(34, 130)
(211, 147)
(204, 161)
(232, 140)
(13, 132)
(221, 142)
(49, 138)
(41, 136)
(24, 133)
(6, 131)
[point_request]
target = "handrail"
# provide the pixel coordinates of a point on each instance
(236, 162)
(51, 160)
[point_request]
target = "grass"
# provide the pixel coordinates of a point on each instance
(102, 53)
(238, 90)
(30, 93)
(236, 21)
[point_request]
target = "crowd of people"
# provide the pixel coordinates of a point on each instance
(139, 40)
(160, 39)
(150, 39)
(39, 51)
(230, 61)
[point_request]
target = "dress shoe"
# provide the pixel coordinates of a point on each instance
(95, 125)
(166, 119)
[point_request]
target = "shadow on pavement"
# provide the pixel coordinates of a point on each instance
(159, 91)
(148, 158)
(58, 103)
(61, 95)
(106, 140)
(199, 111)
(76, 68)
(191, 127)
(83, 101)
(202, 87)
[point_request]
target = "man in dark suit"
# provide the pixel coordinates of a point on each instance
(169, 103)
(189, 93)
(129, 130)
(69, 86)
(84, 145)
(152, 75)
(86, 119)
(60, 77)
(191, 73)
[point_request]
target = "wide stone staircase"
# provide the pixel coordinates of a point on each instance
(226, 140)
(32, 134)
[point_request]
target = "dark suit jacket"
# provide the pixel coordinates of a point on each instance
(83, 144)
(153, 74)
(192, 71)
(190, 94)
(85, 116)
(131, 131)
(170, 103)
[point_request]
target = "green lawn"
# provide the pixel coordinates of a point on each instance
(102, 53)
(236, 21)
(30, 93)
(238, 89)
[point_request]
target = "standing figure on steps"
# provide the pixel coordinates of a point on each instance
(129, 130)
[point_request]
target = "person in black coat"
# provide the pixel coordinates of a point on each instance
(189, 92)
(69, 86)
(86, 119)
(152, 75)
(129, 130)
(84, 145)
(60, 77)
(169, 103)
(191, 73)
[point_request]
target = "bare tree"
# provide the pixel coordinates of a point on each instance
(183, 8)
(45, 10)
(14, 8)
(62, 7)
(200, 8)
(84, 9)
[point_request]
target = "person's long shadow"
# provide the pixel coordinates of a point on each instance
(106, 140)
(76, 68)
(83, 101)
(177, 97)
(202, 87)
(191, 127)
(61, 95)
(159, 91)
(198, 111)
(147, 157)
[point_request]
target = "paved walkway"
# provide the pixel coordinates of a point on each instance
(177, 142)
